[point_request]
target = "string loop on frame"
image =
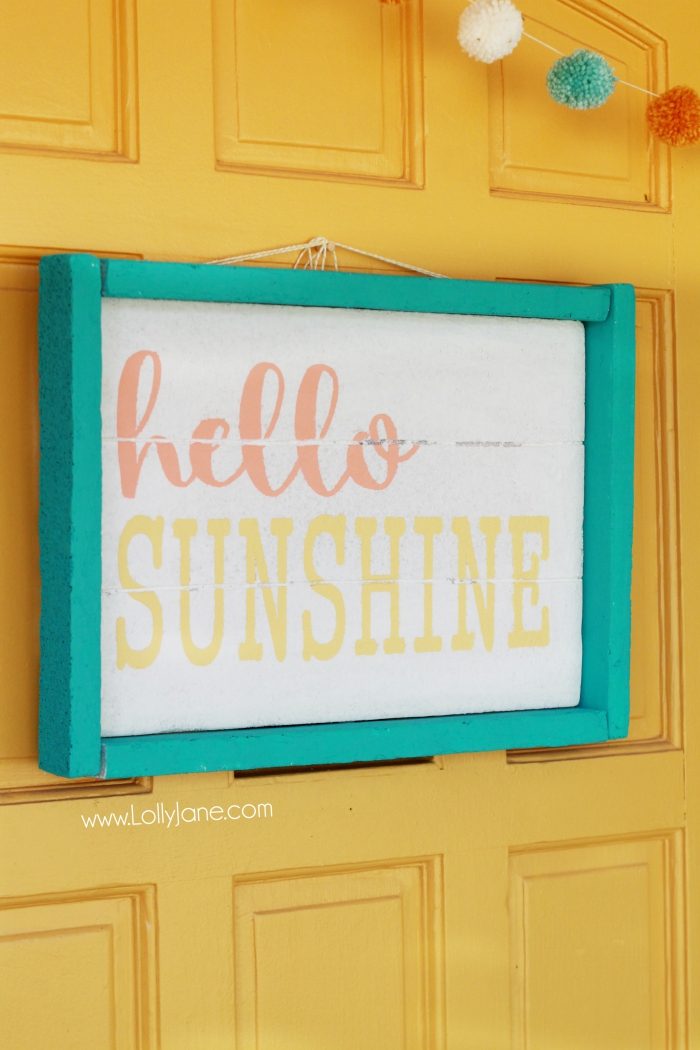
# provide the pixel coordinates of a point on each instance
(313, 255)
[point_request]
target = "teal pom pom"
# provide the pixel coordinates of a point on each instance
(583, 80)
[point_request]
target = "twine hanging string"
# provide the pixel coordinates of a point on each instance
(550, 47)
(313, 255)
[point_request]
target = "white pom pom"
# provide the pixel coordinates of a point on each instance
(490, 29)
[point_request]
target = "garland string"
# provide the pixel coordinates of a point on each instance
(550, 47)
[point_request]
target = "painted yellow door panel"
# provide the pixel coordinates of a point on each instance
(542, 901)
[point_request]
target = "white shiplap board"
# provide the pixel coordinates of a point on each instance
(496, 406)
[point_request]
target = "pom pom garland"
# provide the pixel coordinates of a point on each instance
(583, 80)
(490, 29)
(674, 117)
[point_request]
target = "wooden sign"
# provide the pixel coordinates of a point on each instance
(295, 517)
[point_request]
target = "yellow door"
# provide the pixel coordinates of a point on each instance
(528, 901)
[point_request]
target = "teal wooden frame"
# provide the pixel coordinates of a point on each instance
(70, 743)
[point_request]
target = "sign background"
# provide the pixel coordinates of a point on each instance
(498, 406)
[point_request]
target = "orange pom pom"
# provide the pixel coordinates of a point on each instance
(674, 117)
